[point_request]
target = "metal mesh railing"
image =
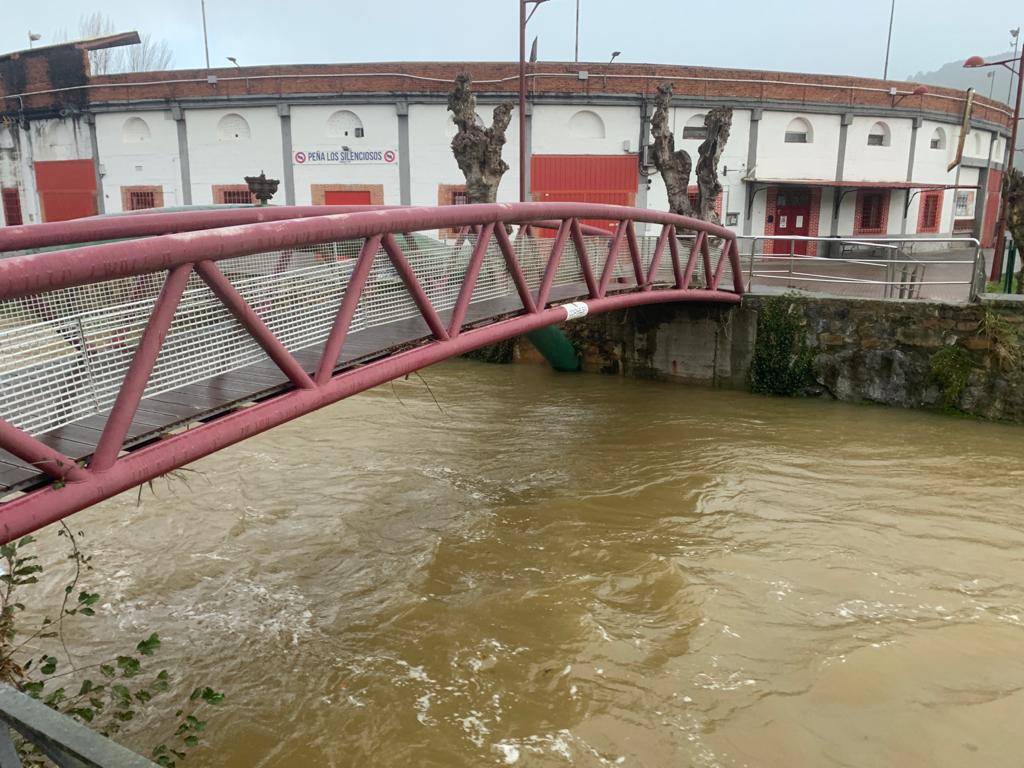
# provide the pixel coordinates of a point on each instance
(64, 354)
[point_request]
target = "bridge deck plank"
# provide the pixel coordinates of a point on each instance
(158, 414)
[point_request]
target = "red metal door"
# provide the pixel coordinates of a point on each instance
(607, 179)
(67, 188)
(347, 197)
(792, 217)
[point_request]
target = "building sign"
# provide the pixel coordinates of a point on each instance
(345, 156)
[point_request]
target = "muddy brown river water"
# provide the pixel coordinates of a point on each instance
(581, 570)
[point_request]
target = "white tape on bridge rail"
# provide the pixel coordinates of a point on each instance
(575, 310)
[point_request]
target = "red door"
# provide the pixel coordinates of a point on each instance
(608, 179)
(347, 197)
(792, 217)
(67, 188)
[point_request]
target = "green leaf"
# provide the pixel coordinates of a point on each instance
(107, 670)
(125, 715)
(55, 698)
(26, 540)
(143, 696)
(33, 688)
(96, 701)
(211, 696)
(27, 570)
(87, 611)
(48, 665)
(87, 686)
(87, 598)
(122, 694)
(84, 712)
(148, 646)
(128, 665)
(191, 741)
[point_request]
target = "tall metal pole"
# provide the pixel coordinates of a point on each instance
(206, 42)
(1016, 41)
(997, 257)
(888, 41)
(577, 32)
(522, 101)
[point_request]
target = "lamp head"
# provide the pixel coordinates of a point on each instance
(920, 90)
(974, 61)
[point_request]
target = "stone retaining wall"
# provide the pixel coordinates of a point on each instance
(864, 350)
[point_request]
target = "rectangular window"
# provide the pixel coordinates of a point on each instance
(796, 137)
(359, 133)
(459, 197)
(12, 207)
(931, 209)
(936, 144)
(695, 132)
(872, 214)
(138, 201)
(232, 194)
(876, 140)
(963, 204)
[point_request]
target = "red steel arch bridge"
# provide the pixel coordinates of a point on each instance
(133, 345)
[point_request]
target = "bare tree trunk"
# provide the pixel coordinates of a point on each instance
(1014, 191)
(718, 123)
(674, 166)
(477, 149)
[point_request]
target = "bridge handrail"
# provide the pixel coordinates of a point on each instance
(37, 272)
(136, 224)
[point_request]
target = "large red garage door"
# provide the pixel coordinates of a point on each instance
(610, 179)
(67, 188)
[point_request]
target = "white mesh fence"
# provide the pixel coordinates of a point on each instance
(65, 353)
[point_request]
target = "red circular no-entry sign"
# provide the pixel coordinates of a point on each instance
(300, 157)
(389, 156)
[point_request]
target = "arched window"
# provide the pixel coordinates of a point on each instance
(586, 125)
(938, 139)
(344, 124)
(997, 151)
(799, 132)
(135, 131)
(879, 135)
(979, 144)
(695, 128)
(233, 127)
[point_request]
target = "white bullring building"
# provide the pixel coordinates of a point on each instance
(808, 154)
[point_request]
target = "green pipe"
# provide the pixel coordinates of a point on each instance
(556, 348)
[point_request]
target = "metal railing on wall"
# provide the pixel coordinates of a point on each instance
(64, 741)
(941, 269)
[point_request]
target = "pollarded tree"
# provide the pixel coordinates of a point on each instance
(675, 165)
(717, 123)
(477, 149)
(1015, 218)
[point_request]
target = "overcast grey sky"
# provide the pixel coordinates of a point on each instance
(827, 36)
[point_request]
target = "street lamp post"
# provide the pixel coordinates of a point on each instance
(978, 61)
(523, 20)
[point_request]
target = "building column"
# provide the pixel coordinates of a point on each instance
(404, 160)
(31, 208)
(90, 120)
(284, 113)
(910, 172)
(183, 163)
(755, 123)
(844, 125)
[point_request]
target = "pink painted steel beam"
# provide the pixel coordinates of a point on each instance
(25, 275)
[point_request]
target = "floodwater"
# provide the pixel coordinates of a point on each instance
(553, 570)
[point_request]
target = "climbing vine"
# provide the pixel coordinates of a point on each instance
(1004, 343)
(951, 367)
(106, 696)
(781, 363)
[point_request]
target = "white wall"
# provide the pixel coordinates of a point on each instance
(68, 139)
(127, 158)
(778, 160)
(310, 132)
(877, 163)
(564, 130)
(214, 160)
(430, 153)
